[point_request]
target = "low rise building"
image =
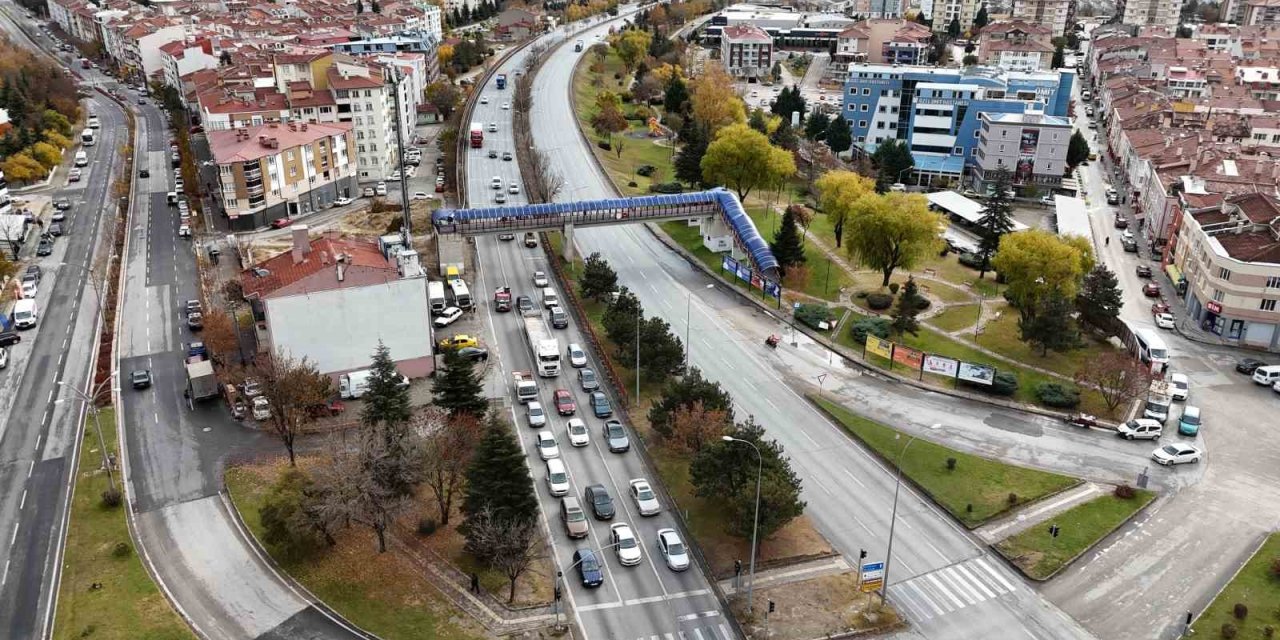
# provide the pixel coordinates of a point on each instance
(746, 51)
(1057, 16)
(884, 41)
(1031, 147)
(1016, 46)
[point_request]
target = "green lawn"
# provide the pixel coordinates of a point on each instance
(128, 604)
(1001, 336)
(636, 151)
(976, 491)
(1040, 555)
(1256, 587)
(956, 318)
(949, 268)
(380, 593)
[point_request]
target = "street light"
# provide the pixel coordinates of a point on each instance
(93, 407)
(893, 517)
(755, 527)
(688, 310)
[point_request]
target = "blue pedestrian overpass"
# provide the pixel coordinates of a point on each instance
(724, 224)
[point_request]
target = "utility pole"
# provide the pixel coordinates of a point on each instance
(406, 229)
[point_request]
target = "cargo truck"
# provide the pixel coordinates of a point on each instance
(477, 135)
(502, 299)
(543, 345)
(501, 81)
(524, 386)
(201, 383)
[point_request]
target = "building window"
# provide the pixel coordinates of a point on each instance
(1217, 296)
(881, 109)
(360, 148)
(957, 151)
(1224, 273)
(1268, 305)
(864, 108)
(866, 91)
(1273, 282)
(862, 124)
(356, 107)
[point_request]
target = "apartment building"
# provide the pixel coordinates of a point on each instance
(884, 41)
(1031, 147)
(1227, 265)
(746, 51)
(366, 98)
(1153, 13)
(1058, 16)
(1016, 46)
(278, 170)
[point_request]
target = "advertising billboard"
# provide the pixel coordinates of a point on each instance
(1027, 156)
(908, 357)
(979, 373)
(879, 346)
(941, 366)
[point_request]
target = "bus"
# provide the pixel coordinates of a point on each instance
(87, 137)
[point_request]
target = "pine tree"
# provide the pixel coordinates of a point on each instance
(1099, 300)
(386, 402)
(997, 220)
(1051, 327)
(786, 245)
(839, 136)
(980, 20)
(598, 277)
(758, 122)
(676, 96)
(908, 307)
(1059, 58)
(458, 388)
(689, 159)
(498, 480)
(1077, 149)
(785, 137)
(816, 126)
(953, 28)
(359, 7)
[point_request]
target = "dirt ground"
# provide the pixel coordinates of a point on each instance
(814, 608)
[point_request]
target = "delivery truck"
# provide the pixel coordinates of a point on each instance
(542, 344)
(477, 135)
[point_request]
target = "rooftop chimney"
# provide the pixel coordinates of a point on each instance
(301, 243)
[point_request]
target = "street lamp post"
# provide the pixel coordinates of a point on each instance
(755, 527)
(97, 426)
(893, 516)
(688, 312)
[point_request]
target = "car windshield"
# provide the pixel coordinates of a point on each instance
(1191, 418)
(535, 411)
(644, 493)
(576, 354)
(588, 375)
(626, 543)
(615, 430)
(1171, 450)
(558, 478)
(577, 428)
(589, 564)
(577, 516)
(601, 498)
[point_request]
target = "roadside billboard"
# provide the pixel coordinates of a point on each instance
(880, 347)
(977, 373)
(908, 357)
(940, 366)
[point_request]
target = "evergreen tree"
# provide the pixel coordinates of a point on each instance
(1099, 300)
(908, 307)
(458, 388)
(953, 28)
(386, 402)
(1059, 58)
(693, 147)
(786, 245)
(621, 319)
(1077, 149)
(997, 220)
(683, 393)
(839, 136)
(1051, 327)
(892, 158)
(816, 126)
(789, 101)
(661, 351)
(980, 20)
(920, 19)
(359, 7)
(374, 6)
(598, 277)
(726, 472)
(676, 97)
(785, 137)
(758, 121)
(498, 481)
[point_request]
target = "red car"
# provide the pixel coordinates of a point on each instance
(564, 402)
(1151, 290)
(1158, 308)
(281, 223)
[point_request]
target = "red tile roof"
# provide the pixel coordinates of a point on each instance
(364, 266)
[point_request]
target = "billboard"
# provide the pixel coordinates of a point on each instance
(909, 357)
(979, 373)
(940, 366)
(880, 347)
(1026, 156)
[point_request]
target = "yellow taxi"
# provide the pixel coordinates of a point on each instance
(458, 341)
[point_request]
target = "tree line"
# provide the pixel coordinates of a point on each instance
(40, 99)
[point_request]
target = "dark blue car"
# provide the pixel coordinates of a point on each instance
(588, 568)
(600, 405)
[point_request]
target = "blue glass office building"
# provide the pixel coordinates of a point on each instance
(936, 109)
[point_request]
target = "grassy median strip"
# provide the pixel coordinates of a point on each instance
(1040, 555)
(976, 490)
(105, 591)
(1257, 587)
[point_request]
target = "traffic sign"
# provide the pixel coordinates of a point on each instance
(872, 576)
(872, 585)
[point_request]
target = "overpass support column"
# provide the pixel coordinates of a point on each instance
(567, 250)
(717, 237)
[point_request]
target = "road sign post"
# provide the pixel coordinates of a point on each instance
(872, 576)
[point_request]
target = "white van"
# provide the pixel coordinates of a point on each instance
(549, 298)
(82, 159)
(557, 477)
(353, 385)
(435, 296)
(25, 313)
(1151, 347)
(1268, 375)
(461, 295)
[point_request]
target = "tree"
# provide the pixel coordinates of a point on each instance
(386, 402)
(632, 45)
(449, 442)
(1051, 326)
(646, 89)
(608, 119)
(512, 544)
(908, 307)
(693, 148)
(1099, 301)
(969, 60)
(286, 525)
(839, 136)
(295, 388)
(621, 319)
(457, 388)
(758, 121)
(838, 193)
(891, 231)
(661, 351)
(892, 158)
(996, 220)
(714, 100)
(374, 6)
(1116, 376)
(1037, 264)
(786, 245)
(598, 277)
(685, 392)
(359, 7)
(219, 336)
(21, 167)
(816, 126)
(742, 159)
(1077, 149)
(444, 96)
(498, 484)
(980, 20)
(953, 28)
(695, 426)
(784, 137)
(788, 102)
(1059, 58)
(676, 95)
(727, 472)
(543, 180)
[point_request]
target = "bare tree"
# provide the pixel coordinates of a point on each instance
(1117, 377)
(448, 442)
(219, 335)
(543, 182)
(295, 389)
(694, 426)
(515, 544)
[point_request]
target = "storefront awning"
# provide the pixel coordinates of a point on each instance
(1175, 274)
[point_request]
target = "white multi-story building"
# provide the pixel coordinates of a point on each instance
(1055, 15)
(366, 100)
(746, 51)
(1155, 13)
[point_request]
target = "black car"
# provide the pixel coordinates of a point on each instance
(1130, 246)
(601, 504)
(1121, 223)
(8, 338)
(474, 354)
(195, 321)
(141, 378)
(34, 270)
(62, 204)
(524, 303)
(55, 229)
(45, 248)
(588, 568)
(144, 173)
(1248, 365)
(1144, 271)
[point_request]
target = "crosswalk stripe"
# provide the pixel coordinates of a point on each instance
(668, 636)
(724, 630)
(983, 563)
(653, 637)
(960, 604)
(906, 600)
(967, 592)
(697, 633)
(681, 634)
(974, 580)
(915, 591)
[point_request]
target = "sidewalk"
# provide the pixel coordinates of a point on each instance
(1039, 512)
(786, 575)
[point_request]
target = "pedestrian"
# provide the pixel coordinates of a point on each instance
(475, 583)
(1108, 242)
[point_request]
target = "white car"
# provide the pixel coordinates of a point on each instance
(1144, 428)
(579, 436)
(342, 202)
(484, 99)
(380, 189)
(448, 317)
(672, 550)
(625, 544)
(184, 231)
(30, 289)
(421, 195)
(546, 444)
(513, 189)
(493, 127)
(1164, 320)
(577, 357)
(4, 357)
(1176, 453)
(1179, 386)
(537, 417)
(540, 279)
(367, 192)
(1126, 235)
(644, 497)
(506, 105)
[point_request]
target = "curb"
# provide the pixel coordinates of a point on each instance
(1234, 575)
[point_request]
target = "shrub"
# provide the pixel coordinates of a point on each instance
(645, 170)
(893, 288)
(617, 76)
(427, 526)
(812, 315)
(1125, 492)
(1240, 611)
(1012, 499)
(626, 96)
(878, 327)
(604, 144)
(951, 464)
(632, 183)
(971, 260)
(861, 295)
(1275, 573)
(922, 303)
(879, 301)
(1268, 631)
(1055, 395)
(667, 187)
(111, 498)
(1229, 630)
(121, 550)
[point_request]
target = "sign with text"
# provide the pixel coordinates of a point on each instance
(941, 366)
(872, 576)
(908, 357)
(880, 347)
(773, 289)
(979, 373)
(727, 263)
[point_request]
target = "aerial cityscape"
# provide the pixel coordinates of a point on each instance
(674, 320)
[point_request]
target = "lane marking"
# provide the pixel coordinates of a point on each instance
(933, 579)
(974, 579)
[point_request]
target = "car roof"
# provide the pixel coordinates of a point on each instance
(622, 526)
(1178, 377)
(670, 534)
(545, 434)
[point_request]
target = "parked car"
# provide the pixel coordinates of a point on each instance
(1159, 307)
(421, 195)
(1113, 197)
(644, 497)
(9, 338)
(563, 400)
(447, 317)
(73, 175)
(1143, 271)
(1140, 428)
(1165, 320)
(601, 504)
(1179, 386)
(280, 223)
(673, 550)
(458, 341)
(1176, 453)
(1129, 245)
(367, 192)
(625, 545)
(45, 248)
(579, 435)
(1121, 223)
(1248, 365)
(1151, 290)
(474, 354)
(600, 405)
(4, 358)
(1189, 421)
(341, 202)
(616, 436)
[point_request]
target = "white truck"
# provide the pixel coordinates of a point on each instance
(1158, 401)
(543, 345)
(525, 387)
(353, 385)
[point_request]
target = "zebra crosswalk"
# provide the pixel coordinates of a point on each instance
(949, 589)
(709, 631)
